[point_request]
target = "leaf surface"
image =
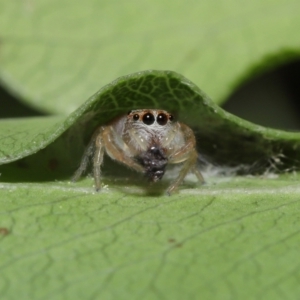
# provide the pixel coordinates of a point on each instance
(221, 136)
(233, 239)
(55, 54)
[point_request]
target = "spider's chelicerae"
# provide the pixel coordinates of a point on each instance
(145, 140)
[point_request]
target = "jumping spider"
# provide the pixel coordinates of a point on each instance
(145, 140)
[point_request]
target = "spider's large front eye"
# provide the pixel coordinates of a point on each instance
(148, 119)
(162, 119)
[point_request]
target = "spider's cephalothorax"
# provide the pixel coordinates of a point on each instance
(146, 140)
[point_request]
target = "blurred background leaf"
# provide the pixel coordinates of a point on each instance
(55, 54)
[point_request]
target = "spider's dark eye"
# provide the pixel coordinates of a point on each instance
(171, 118)
(148, 119)
(136, 117)
(162, 119)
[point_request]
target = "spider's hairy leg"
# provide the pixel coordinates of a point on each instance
(114, 151)
(88, 152)
(188, 165)
(198, 174)
(98, 159)
(189, 155)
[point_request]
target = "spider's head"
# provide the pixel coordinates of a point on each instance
(146, 127)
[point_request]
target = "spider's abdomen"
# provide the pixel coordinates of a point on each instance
(154, 161)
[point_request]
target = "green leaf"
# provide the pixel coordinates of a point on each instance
(232, 238)
(55, 54)
(21, 137)
(223, 137)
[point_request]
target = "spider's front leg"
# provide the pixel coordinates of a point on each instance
(188, 155)
(107, 140)
(115, 147)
